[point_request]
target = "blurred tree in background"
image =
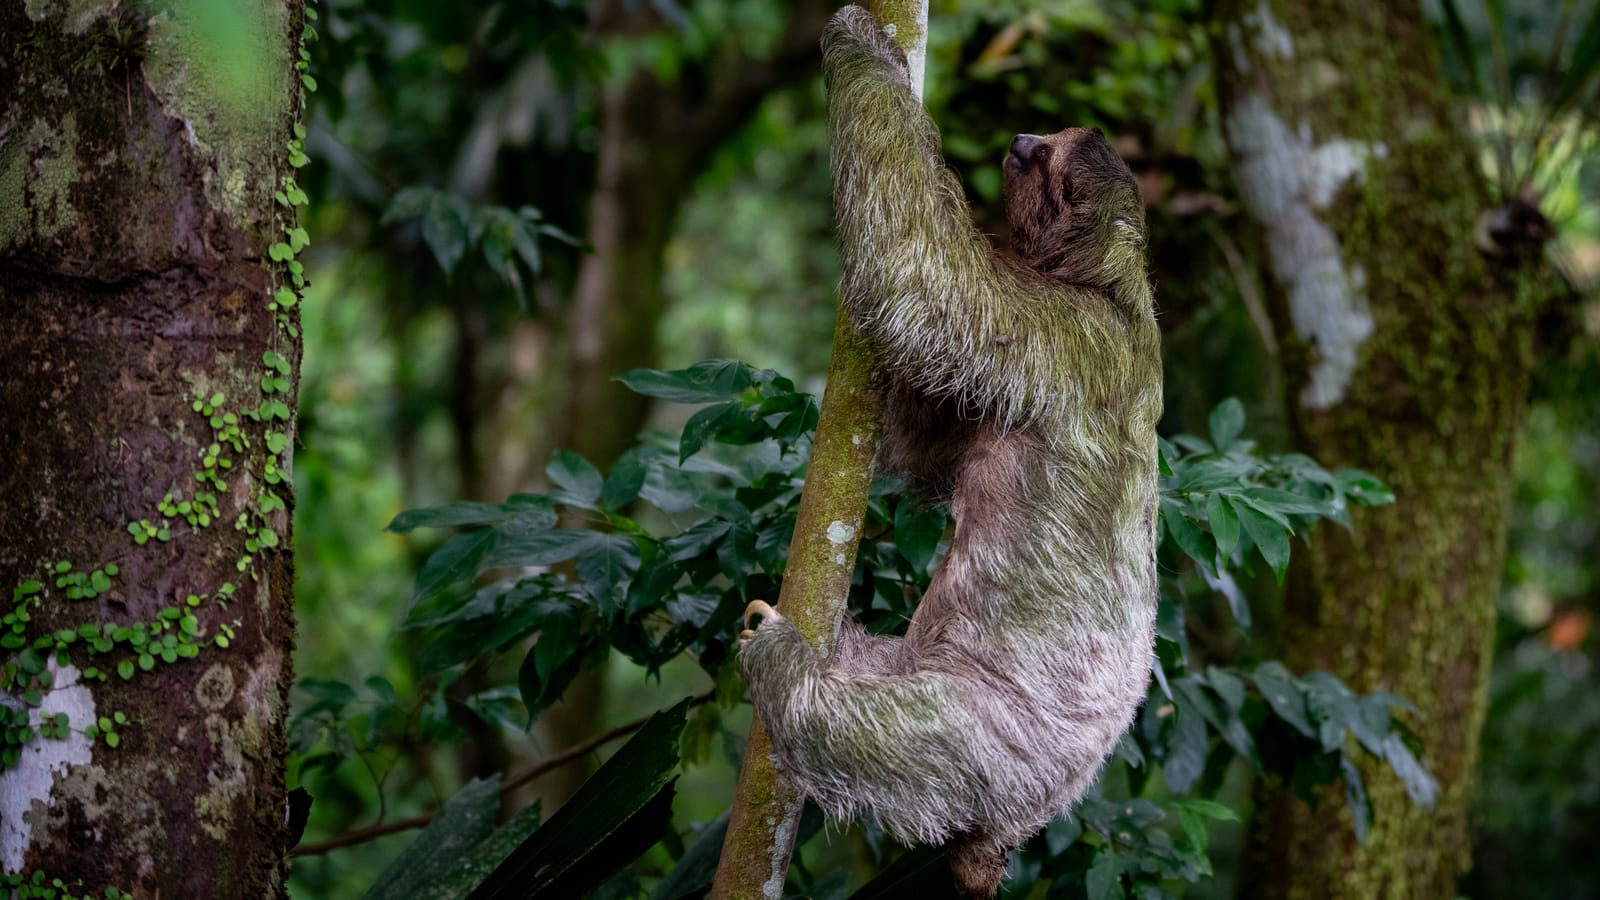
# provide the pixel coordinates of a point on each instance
(515, 203)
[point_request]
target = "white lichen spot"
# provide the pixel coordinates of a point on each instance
(31, 780)
(856, 439)
(1284, 179)
(1241, 59)
(1271, 38)
(783, 839)
(841, 533)
(839, 560)
(215, 688)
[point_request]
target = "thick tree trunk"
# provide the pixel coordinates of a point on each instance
(1408, 355)
(139, 156)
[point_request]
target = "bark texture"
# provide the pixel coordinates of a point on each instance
(1408, 355)
(138, 164)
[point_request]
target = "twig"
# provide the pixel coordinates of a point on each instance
(555, 761)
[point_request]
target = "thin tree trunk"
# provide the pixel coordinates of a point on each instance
(765, 817)
(139, 156)
(1408, 355)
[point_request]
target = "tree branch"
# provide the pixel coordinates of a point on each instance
(555, 761)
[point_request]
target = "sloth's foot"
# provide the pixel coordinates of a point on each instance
(758, 613)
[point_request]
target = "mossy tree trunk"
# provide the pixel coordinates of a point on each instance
(1408, 354)
(141, 147)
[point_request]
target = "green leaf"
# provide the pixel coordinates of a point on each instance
(1419, 783)
(1186, 754)
(575, 474)
(1225, 423)
(704, 382)
(1355, 795)
(1581, 69)
(619, 813)
(463, 513)
(623, 484)
(1364, 489)
(1270, 537)
(1198, 545)
(606, 565)
(1103, 880)
(1284, 696)
(917, 533)
(465, 820)
(452, 566)
(539, 548)
(695, 540)
(923, 873)
(692, 874)
(1209, 808)
(706, 424)
(1224, 524)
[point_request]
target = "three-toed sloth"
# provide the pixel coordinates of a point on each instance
(1027, 395)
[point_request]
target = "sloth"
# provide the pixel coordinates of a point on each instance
(1025, 393)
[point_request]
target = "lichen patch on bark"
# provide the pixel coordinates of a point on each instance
(36, 172)
(31, 780)
(1285, 178)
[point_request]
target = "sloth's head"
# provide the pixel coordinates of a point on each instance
(1074, 207)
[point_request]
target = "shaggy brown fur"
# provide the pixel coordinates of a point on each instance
(1028, 395)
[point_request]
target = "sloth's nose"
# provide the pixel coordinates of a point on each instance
(1023, 145)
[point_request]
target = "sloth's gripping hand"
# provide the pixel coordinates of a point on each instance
(757, 614)
(854, 40)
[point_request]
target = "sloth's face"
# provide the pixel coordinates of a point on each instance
(1060, 191)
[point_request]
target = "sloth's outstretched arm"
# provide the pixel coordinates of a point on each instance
(919, 279)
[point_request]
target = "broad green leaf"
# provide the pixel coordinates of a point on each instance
(703, 382)
(692, 874)
(923, 873)
(1270, 537)
(452, 566)
(1186, 754)
(695, 540)
(1419, 784)
(917, 533)
(1103, 880)
(623, 484)
(617, 814)
(706, 424)
(606, 565)
(1224, 524)
(464, 513)
(1581, 69)
(1364, 489)
(1284, 696)
(575, 474)
(1225, 423)
(1355, 795)
(466, 819)
(538, 548)
(1190, 539)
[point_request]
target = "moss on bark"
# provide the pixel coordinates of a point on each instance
(1431, 402)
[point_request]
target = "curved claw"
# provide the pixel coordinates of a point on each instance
(758, 612)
